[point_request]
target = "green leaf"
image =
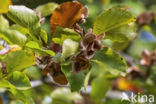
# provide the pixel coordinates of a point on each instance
(65, 96)
(110, 61)
(112, 18)
(4, 24)
(44, 36)
(138, 46)
(20, 29)
(76, 81)
(120, 36)
(4, 4)
(35, 48)
(21, 94)
(62, 34)
(69, 48)
(87, 79)
(46, 9)
(100, 86)
(4, 83)
(19, 80)
(13, 37)
(18, 60)
(122, 33)
(16, 102)
(25, 17)
(33, 72)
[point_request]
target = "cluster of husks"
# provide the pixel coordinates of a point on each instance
(148, 58)
(89, 44)
(66, 15)
(54, 69)
(146, 18)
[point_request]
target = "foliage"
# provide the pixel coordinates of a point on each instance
(72, 56)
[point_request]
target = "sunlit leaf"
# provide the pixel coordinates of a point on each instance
(4, 4)
(65, 96)
(13, 37)
(46, 9)
(87, 79)
(44, 36)
(19, 60)
(20, 29)
(4, 24)
(4, 84)
(112, 18)
(110, 61)
(36, 48)
(62, 34)
(69, 48)
(122, 33)
(66, 15)
(25, 17)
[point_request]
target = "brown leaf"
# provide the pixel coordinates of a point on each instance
(146, 58)
(66, 15)
(125, 84)
(54, 69)
(1, 101)
(60, 78)
(55, 47)
(145, 18)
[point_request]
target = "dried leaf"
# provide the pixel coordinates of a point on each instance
(145, 18)
(55, 47)
(66, 15)
(54, 69)
(125, 84)
(1, 101)
(146, 58)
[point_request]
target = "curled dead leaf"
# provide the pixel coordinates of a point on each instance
(54, 69)
(67, 15)
(125, 84)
